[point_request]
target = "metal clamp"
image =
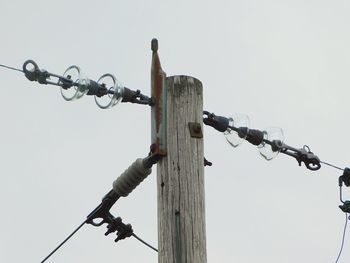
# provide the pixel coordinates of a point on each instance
(303, 155)
(219, 123)
(136, 97)
(344, 178)
(113, 223)
(42, 76)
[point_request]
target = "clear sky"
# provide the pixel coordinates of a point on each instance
(284, 63)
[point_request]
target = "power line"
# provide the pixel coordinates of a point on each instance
(76, 230)
(331, 165)
(144, 242)
(41, 76)
(343, 239)
(64, 241)
(205, 112)
(4, 66)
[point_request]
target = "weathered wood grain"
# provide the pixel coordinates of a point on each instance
(180, 177)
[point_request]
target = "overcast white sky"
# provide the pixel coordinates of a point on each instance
(284, 63)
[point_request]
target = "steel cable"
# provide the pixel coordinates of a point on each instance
(4, 66)
(343, 239)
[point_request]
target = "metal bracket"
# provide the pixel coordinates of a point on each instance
(159, 107)
(346, 177)
(195, 130)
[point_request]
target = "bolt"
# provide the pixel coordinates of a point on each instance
(197, 129)
(153, 147)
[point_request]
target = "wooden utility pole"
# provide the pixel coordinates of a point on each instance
(180, 176)
(177, 138)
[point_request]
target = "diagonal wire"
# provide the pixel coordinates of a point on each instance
(343, 239)
(76, 230)
(144, 242)
(64, 241)
(331, 165)
(4, 66)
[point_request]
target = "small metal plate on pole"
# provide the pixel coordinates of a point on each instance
(195, 130)
(158, 110)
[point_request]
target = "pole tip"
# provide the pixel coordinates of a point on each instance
(154, 45)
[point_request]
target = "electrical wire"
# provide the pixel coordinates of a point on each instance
(150, 246)
(76, 230)
(64, 241)
(331, 165)
(341, 194)
(4, 66)
(343, 239)
(144, 242)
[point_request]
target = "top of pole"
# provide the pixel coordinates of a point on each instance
(154, 45)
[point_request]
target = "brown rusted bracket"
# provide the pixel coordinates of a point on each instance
(159, 107)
